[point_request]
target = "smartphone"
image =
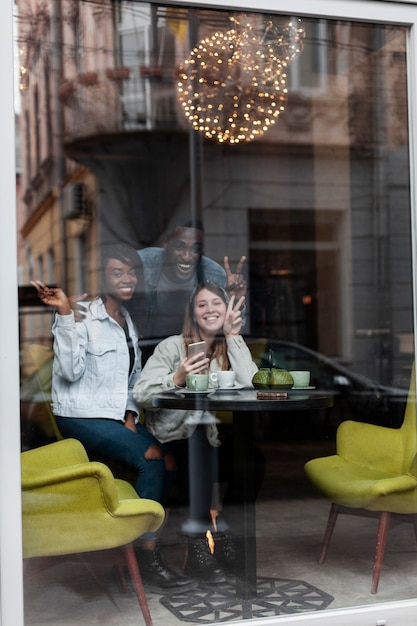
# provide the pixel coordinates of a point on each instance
(195, 348)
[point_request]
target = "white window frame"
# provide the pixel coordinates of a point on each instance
(11, 586)
(402, 613)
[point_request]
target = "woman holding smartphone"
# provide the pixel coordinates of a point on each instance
(213, 318)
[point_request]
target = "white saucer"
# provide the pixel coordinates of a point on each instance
(296, 388)
(234, 388)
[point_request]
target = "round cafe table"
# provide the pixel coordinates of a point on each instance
(245, 404)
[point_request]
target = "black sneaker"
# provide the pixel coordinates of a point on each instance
(154, 571)
(226, 554)
(226, 550)
(201, 565)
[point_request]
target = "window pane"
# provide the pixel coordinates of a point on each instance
(191, 134)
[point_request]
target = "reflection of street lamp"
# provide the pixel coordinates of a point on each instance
(228, 95)
(232, 87)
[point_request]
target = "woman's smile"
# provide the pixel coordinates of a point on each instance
(210, 317)
(121, 279)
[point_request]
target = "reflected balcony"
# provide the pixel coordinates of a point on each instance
(118, 100)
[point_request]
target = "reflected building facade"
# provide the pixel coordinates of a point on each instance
(319, 203)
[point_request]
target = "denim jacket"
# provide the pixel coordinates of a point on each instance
(153, 262)
(90, 375)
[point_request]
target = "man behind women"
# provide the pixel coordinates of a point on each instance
(212, 317)
(169, 276)
(97, 362)
(172, 272)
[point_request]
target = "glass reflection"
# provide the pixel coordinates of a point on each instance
(312, 213)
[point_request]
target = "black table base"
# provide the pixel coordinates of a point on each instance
(210, 604)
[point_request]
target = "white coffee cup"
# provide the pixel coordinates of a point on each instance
(223, 379)
(301, 378)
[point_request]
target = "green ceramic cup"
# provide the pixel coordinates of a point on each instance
(197, 382)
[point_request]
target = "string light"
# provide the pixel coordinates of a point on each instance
(232, 87)
(282, 37)
(227, 93)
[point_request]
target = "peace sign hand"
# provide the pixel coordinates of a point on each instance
(233, 320)
(236, 284)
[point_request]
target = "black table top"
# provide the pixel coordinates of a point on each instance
(244, 400)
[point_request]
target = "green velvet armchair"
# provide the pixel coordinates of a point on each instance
(71, 505)
(372, 473)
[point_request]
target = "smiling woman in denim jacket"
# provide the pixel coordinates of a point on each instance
(97, 362)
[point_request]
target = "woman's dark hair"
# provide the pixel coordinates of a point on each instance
(191, 332)
(122, 252)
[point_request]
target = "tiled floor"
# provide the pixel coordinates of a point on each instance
(290, 526)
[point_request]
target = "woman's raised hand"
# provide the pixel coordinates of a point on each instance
(190, 365)
(53, 296)
(233, 320)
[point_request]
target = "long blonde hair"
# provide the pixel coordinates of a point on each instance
(191, 331)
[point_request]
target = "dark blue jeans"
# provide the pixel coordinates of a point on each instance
(113, 440)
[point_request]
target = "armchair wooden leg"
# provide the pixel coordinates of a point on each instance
(381, 540)
(137, 582)
(331, 522)
(415, 525)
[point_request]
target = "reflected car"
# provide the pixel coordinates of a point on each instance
(356, 397)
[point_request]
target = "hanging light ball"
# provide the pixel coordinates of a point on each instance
(228, 91)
